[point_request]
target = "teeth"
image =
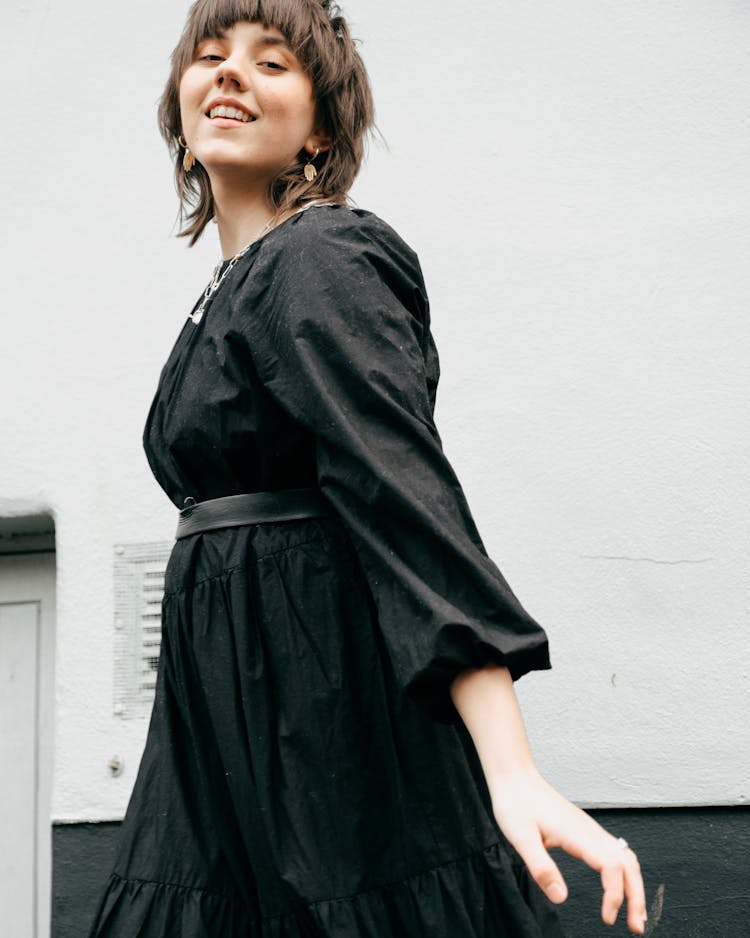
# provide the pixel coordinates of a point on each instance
(232, 112)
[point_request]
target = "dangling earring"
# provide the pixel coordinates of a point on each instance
(188, 160)
(310, 171)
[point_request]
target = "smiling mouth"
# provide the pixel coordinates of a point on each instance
(232, 113)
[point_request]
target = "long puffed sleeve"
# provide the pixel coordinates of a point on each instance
(334, 313)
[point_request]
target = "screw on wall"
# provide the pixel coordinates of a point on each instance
(115, 766)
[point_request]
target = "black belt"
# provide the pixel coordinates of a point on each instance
(233, 511)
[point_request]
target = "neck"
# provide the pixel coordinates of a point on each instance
(240, 215)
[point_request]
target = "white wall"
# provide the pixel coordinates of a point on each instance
(574, 178)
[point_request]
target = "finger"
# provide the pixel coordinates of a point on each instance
(582, 840)
(614, 892)
(541, 866)
(635, 894)
(622, 879)
(589, 846)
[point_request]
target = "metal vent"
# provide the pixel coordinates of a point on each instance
(139, 588)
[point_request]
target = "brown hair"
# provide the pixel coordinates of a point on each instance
(319, 36)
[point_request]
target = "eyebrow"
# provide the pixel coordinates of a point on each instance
(279, 41)
(273, 41)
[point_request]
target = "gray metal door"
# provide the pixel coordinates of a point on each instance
(26, 743)
(19, 717)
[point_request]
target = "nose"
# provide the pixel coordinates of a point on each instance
(230, 73)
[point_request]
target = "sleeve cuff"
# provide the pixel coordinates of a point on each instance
(430, 687)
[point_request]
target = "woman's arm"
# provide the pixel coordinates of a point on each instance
(333, 315)
(530, 813)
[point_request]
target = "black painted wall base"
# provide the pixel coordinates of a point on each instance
(699, 859)
(82, 859)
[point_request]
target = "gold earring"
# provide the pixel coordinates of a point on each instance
(310, 171)
(188, 160)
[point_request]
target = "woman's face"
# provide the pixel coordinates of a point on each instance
(267, 114)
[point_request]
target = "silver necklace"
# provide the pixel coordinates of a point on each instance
(217, 280)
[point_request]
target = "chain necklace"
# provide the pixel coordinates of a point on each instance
(217, 279)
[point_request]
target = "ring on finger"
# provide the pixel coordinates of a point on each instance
(622, 843)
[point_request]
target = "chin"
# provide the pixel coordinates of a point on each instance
(228, 163)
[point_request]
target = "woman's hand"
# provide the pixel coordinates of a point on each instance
(534, 817)
(530, 813)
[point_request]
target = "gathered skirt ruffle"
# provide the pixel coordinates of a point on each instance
(467, 898)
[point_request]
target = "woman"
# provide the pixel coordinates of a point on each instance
(335, 747)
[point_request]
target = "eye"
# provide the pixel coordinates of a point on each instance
(210, 58)
(273, 66)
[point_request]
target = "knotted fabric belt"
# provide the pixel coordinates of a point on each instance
(233, 511)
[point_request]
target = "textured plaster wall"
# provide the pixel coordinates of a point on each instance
(574, 178)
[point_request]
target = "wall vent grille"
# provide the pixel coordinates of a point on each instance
(139, 587)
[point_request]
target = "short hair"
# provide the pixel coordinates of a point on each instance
(319, 36)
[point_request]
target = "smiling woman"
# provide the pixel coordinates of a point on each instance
(306, 43)
(248, 109)
(335, 748)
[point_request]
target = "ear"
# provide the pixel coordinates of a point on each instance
(318, 141)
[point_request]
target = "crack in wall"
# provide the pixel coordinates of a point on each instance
(653, 560)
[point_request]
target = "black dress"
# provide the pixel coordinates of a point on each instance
(303, 750)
